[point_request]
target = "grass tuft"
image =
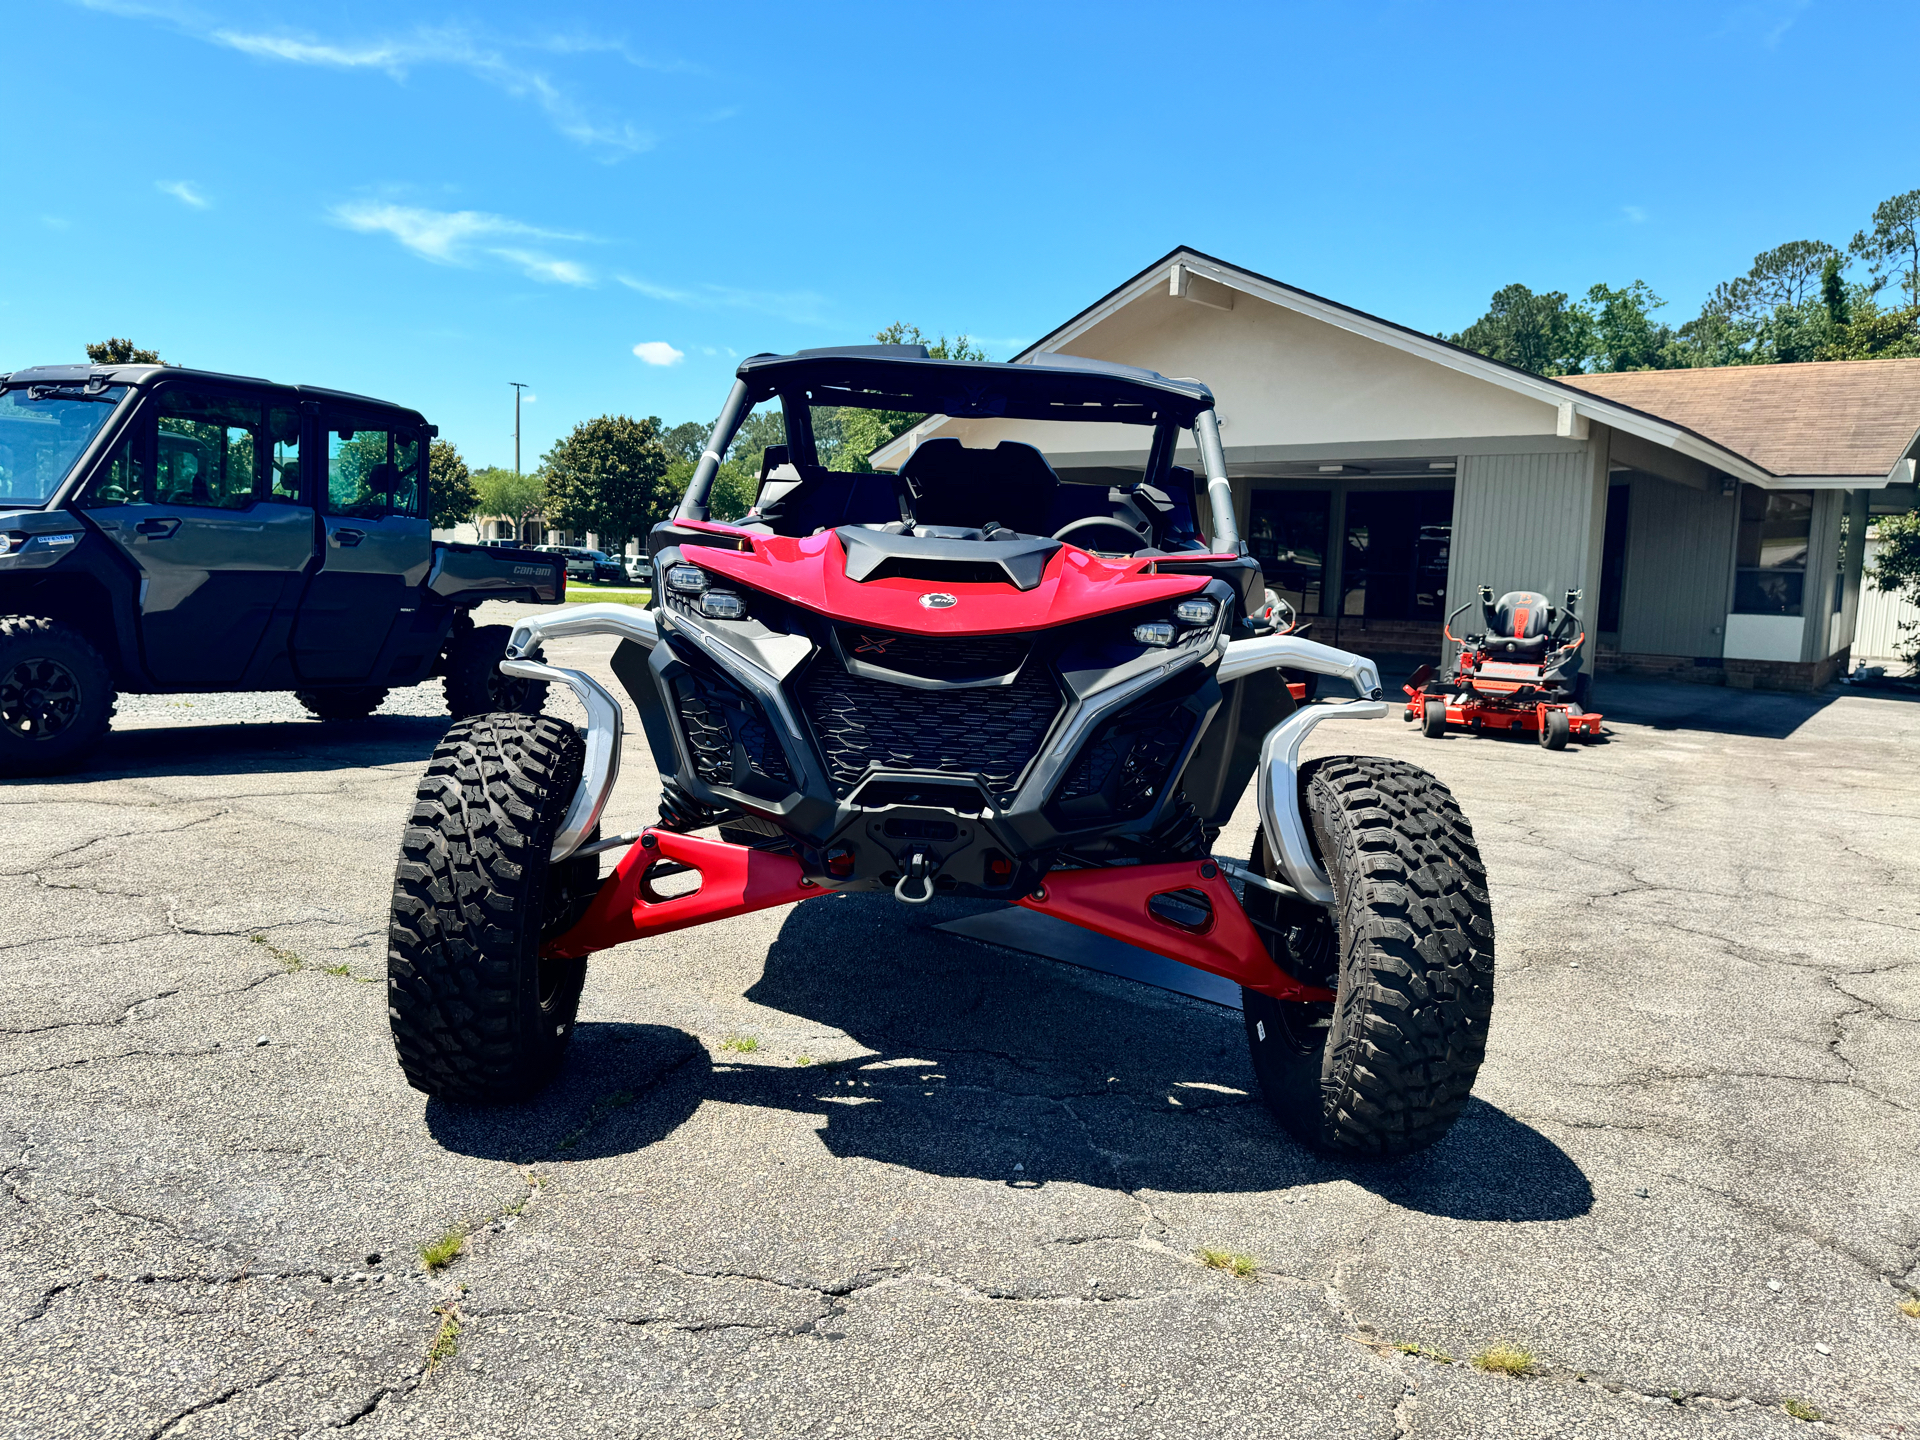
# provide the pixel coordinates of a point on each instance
(1910, 1308)
(438, 1253)
(289, 959)
(1504, 1360)
(1426, 1353)
(1235, 1263)
(1800, 1410)
(746, 1045)
(803, 1060)
(446, 1343)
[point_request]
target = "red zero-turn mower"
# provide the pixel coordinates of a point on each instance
(974, 679)
(1524, 674)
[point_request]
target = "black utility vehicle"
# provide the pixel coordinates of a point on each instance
(595, 566)
(173, 530)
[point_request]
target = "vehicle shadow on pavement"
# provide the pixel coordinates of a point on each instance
(259, 748)
(1000, 1066)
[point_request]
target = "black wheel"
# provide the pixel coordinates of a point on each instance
(473, 683)
(1408, 951)
(1554, 730)
(477, 1015)
(56, 696)
(1434, 719)
(342, 703)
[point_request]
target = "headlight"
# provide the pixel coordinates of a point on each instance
(688, 579)
(722, 605)
(1195, 612)
(1154, 632)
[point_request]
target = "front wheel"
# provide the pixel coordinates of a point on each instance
(1408, 950)
(477, 1014)
(56, 696)
(1554, 730)
(1434, 719)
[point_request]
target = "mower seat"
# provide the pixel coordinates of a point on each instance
(1518, 627)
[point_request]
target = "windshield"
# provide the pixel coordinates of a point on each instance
(43, 429)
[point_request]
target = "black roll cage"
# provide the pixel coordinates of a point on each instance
(906, 377)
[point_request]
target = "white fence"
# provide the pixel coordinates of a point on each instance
(1877, 627)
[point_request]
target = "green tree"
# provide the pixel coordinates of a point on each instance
(1621, 331)
(450, 486)
(607, 476)
(121, 352)
(506, 493)
(1897, 571)
(684, 441)
(1539, 333)
(1893, 246)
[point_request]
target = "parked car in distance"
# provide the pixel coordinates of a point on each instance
(640, 570)
(589, 565)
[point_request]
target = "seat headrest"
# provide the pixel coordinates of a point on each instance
(950, 484)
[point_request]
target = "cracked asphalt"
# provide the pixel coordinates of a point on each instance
(826, 1170)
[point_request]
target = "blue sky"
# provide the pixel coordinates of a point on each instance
(424, 204)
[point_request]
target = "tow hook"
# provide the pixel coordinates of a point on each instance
(918, 869)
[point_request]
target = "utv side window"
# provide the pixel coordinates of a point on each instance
(207, 451)
(123, 479)
(372, 472)
(283, 467)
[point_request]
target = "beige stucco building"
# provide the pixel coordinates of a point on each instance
(1712, 518)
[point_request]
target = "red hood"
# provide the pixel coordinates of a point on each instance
(812, 573)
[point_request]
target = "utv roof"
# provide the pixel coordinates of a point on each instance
(905, 377)
(139, 374)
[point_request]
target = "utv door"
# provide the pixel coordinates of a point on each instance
(376, 547)
(203, 495)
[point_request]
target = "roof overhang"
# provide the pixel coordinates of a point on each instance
(1574, 409)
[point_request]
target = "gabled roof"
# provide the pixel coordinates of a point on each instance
(1575, 405)
(1829, 417)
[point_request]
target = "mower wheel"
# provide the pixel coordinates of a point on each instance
(1408, 951)
(1554, 730)
(477, 1014)
(1434, 719)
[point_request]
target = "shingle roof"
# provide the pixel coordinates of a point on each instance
(1831, 417)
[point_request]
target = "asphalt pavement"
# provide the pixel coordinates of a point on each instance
(827, 1170)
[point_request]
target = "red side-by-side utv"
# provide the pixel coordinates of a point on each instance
(976, 679)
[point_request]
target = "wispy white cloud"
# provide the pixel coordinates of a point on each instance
(182, 191)
(464, 237)
(1765, 20)
(801, 306)
(659, 352)
(1635, 214)
(56, 222)
(501, 62)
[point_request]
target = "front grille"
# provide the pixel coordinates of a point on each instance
(991, 731)
(1122, 769)
(728, 734)
(948, 658)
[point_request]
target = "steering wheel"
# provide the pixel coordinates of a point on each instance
(1135, 540)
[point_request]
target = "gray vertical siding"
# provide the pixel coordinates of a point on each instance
(1522, 522)
(1680, 556)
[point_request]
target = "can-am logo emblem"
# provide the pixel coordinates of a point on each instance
(938, 600)
(874, 644)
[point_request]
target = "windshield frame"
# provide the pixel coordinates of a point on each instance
(113, 397)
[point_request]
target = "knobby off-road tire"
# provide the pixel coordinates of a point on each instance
(1408, 951)
(472, 680)
(56, 696)
(476, 1014)
(342, 703)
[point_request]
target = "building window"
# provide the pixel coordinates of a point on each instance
(1287, 532)
(1394, 565)
(1771, 550)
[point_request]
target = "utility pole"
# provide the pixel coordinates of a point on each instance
(518, 387)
